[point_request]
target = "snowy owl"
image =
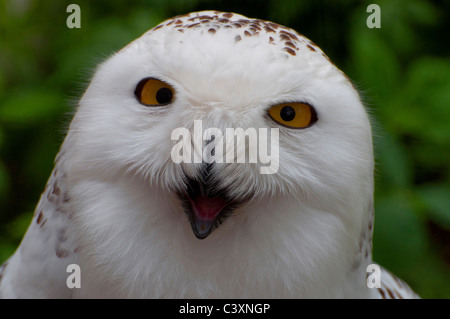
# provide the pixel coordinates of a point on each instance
(138, 222)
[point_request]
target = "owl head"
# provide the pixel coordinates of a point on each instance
(224, 71)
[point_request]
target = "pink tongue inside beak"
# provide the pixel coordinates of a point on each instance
(207, 209)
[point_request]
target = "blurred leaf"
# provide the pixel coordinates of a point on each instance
(374, 64)
(399, 235)
(394, 167)
(2, 137)
(41, 154)
(421, 12)
(14, 231)
(30, 106)
(424, 104)
(6, 249)
(4, 182)
(2, 83)
(437, 203)
(286, 10)
(401, 20)
(18, 226)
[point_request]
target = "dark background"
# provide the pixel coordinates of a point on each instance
(402, 71)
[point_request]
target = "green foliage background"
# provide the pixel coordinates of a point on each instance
(401, 69)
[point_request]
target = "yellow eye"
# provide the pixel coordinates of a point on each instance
(293, 115)
(154, 92)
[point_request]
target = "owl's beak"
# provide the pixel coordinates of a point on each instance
(205, 212)
(206, 205)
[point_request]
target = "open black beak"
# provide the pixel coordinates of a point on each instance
(205, 206)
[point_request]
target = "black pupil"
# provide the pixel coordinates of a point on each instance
(164, 95)
(287, 113)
